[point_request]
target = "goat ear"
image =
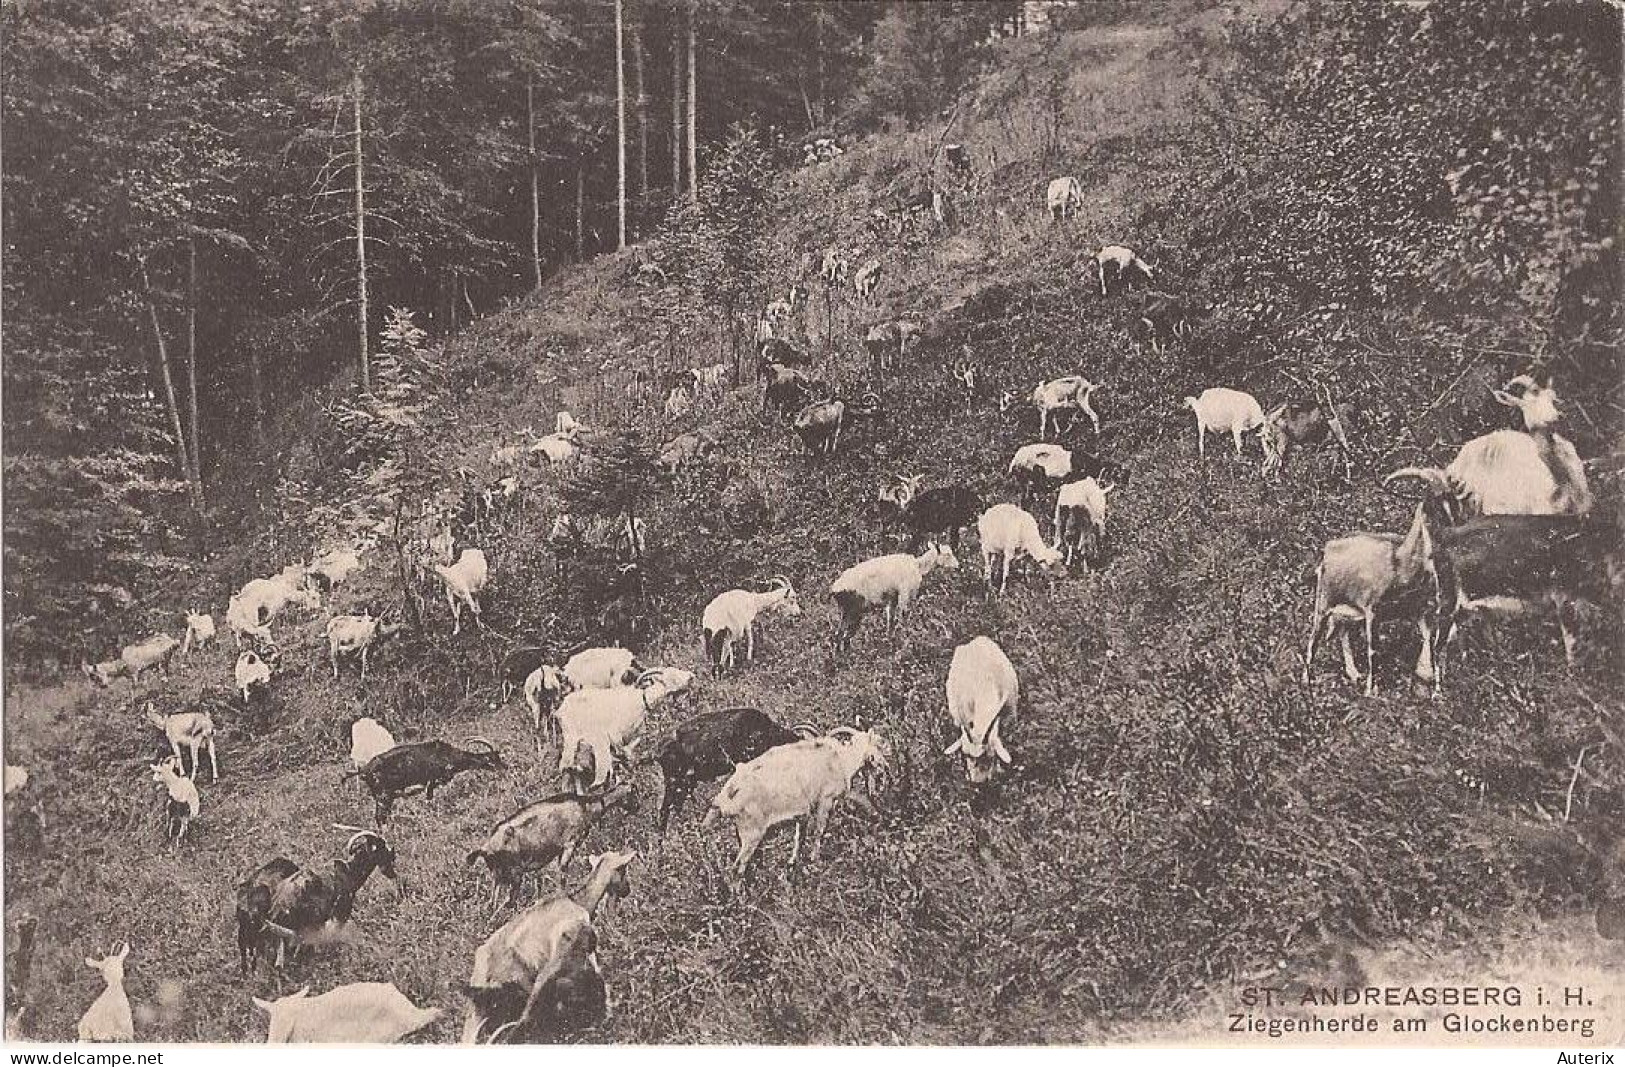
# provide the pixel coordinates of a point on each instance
(263, 1005)
(94, 965)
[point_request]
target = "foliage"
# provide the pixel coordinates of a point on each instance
(91, 501)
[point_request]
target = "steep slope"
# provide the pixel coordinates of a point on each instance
(1182, 811)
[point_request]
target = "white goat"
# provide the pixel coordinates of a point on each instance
(732, 615)
(834, 266)
(605, 721)
(367, 739)
(1062, 196)
(250, 612)
(250, 671)
(335, 566)
(1224, 411)
(1080, 518)
(885, 581)
(199, 631)
(1064, 394)
(709, 378)
(794, 782)
(591, 668)
(1009, 531)
(464, 580)
(352, 635)
(1122, 261)
(108, 1018)
(194, 729)
(1511, 472)
(372, 1013)
(557, 448)
(1361, 571)
(182, 803)
(566, 424)
(155, 651)
(866, 280)
(982, 690)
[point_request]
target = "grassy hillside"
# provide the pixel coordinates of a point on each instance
(1182, 810)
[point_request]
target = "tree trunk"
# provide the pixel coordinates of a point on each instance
(360, 242)
(640, 98)
(676, 113)
(581, 210)
(818, 52)
(256, 386)
(693, 111)
(169, 394)
(620, 127)
(535, 181)
(191, 358)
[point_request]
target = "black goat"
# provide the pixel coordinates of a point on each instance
(426, 765)
(710, 746)
(1507, 562)
(788, 390)
(292, 906)
(520, 664)
(778, 350)
(945, 509)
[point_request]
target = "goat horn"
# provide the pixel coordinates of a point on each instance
(1432, 476)
(844, 731)
(805, 729)
(487, 742)
(348, 845)
(349, 829)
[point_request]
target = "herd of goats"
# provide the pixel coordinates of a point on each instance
(1505, 526)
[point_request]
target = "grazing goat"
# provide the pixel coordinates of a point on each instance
(1224, 411)
(1008, 531)
(1062, 197)
(683, 450)
(371, 1013)
(731, 616)
(557, 448)
(957, 157)
(797, 781)
(834, 267)
(334, 567)
(519, 665)
(1123, 265)
(566, 424)
(537, 835)
(890, 582)
(1064, 394)
(944, 510)
(982, 690)
(710, 745)
(108, 1018)
(819, 426)
(181, 800)
(133, 660)
(194, 729)
(679, 401)
(1080, 519)
(895, 497)
(783, 352)
(886, 339)
(302, 908)
(709, 378)
(426, 765)
(250, 612)
(788, 390)
(1163, 316)
(1511, 564)
(355, 635)
(536, 978)
(368, 739)
(597, 724)
(591, 668)
(1512, 472)
(866, 280)
(1362, 571)
(199, 632)
(250, 672)
(1294, 424)
(464, 581)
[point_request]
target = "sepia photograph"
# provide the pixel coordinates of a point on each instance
(737, 523)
